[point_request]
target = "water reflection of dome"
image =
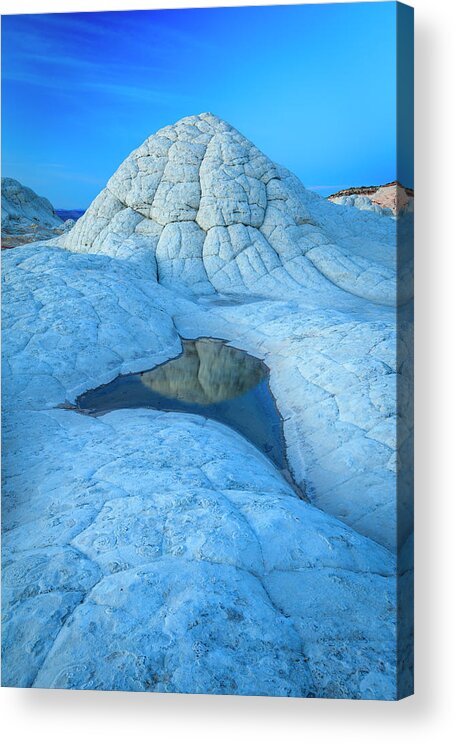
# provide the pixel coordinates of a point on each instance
(208, 371)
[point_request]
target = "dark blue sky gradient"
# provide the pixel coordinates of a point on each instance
(313, 86)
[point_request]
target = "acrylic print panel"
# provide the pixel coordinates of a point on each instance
(207, 404)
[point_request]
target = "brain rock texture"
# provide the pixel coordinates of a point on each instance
(214, 214)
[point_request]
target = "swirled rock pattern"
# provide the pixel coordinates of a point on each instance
(160, 551)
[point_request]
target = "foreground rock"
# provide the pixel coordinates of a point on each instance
(159, 551)
(27, 217)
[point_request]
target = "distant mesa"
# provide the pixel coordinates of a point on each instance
(391, 198)
(27, 217)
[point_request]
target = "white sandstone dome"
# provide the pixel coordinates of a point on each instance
(213, 214)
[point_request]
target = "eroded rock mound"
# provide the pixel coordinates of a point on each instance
(26, 217)
(212, 213)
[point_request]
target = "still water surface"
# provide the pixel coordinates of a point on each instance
(210, 379)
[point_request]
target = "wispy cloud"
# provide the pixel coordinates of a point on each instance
(143, 26)
(59, 171)
(113, 90)
(68, 54)
(139, 93)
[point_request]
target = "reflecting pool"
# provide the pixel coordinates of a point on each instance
(209, 378)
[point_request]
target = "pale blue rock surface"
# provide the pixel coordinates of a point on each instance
(147, 550)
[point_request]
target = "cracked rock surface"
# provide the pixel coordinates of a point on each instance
(218, 215)
(147, 550)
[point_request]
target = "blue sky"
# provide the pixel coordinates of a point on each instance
(313, 86)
